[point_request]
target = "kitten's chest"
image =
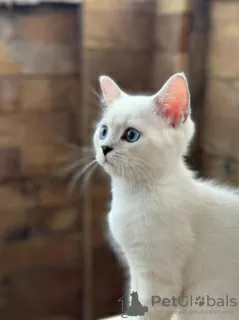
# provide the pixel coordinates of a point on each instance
(124, 224)
(132, 220)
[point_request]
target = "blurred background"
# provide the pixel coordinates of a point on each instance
(55, 262)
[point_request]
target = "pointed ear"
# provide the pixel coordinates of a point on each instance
(110, 89)
(173, 100)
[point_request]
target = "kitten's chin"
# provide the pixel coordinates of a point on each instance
(109, 168)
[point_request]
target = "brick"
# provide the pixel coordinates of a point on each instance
(99, 238)
(93, 115)
(123, 66)
(62, 281)
(5, 292)
(49, 26)
(172, 33)
(30, 49)
(7, 65)
(59, 162)
(59, 318)
(224, 20)
(45, 190)
(51, 220)
(58, 293)
(223, 52)
(49, 208)
(109, 293)
(43, 252)
(110, 5)
(168, 64)
(25, 193)
(9, 94)
(172, 7)
(56, 194)
(48, 58)
(105, 5)
(220, 135)
(225, 28)
(222, 98)
(221, 120)
(100, 199)
(40, 158)
(197, 40)
(118, 29)
(36, 93)
(12, 221)
(222, 168)
(31, 58)
(225, 10)
(11, 198)
(39, 126)
(10, 158)
(66, 92)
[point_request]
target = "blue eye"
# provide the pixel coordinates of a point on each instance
(103, 132)
(131, 135)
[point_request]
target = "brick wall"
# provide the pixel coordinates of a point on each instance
(171, 39)
(220, 120)
(40, 223)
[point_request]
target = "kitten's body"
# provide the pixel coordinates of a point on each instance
(178, 235)
(189, 246)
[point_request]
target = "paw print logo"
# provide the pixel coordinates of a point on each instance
(200, 301)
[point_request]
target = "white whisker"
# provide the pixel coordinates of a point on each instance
(147, 171)
(89, 175)
(79, 174)
(146, 163)
(73, 166)
(123, 157)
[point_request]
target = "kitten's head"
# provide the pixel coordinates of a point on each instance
(142, 135)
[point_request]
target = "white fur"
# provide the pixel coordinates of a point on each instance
(177, 235)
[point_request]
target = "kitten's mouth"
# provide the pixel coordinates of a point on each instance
(106, 162)
(106, 165)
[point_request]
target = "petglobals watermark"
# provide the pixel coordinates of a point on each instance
(132, 306)
(190, 301)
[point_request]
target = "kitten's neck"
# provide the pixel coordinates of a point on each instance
(177, 175)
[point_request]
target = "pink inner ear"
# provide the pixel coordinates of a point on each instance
(110, 89)
(173, 101)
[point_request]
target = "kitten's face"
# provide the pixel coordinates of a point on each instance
(133, 139)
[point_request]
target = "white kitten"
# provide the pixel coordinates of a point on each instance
(179, 236)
